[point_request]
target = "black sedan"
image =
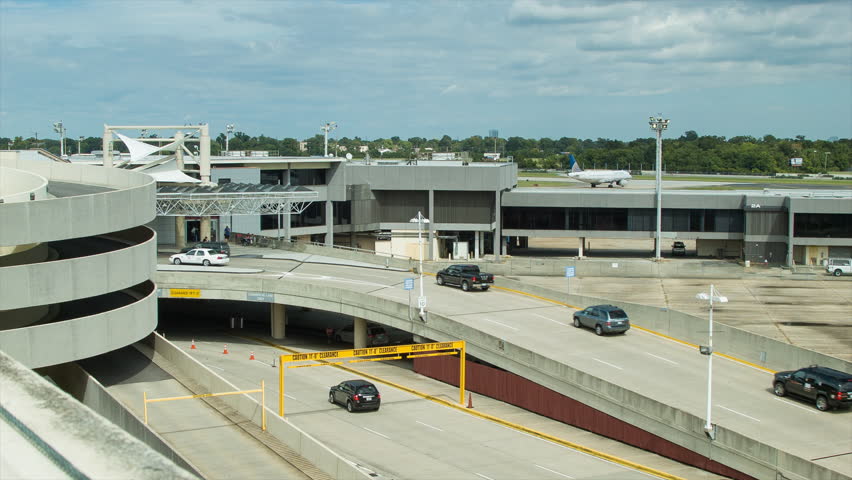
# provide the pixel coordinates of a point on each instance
(356, 395)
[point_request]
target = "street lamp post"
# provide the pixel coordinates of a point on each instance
(825, 161)
(229, 129)
(713, 296)
(59, 128)
(658, 125)
(79, 143)
(420, 220)
(327, 128)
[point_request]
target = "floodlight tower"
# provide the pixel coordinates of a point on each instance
(327, 128)
(659, 124)
(229, 129)
(60, 129)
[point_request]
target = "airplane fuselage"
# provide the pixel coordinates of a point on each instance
(598, 177)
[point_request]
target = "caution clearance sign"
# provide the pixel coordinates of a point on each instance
(361, 352)
(381, 353)
(185, 292)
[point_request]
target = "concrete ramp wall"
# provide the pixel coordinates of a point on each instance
(307, 446)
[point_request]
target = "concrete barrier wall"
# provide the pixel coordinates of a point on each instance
(83, 337)
(307, 446)
(732, 449)
(53, 420)
(127, 205)
(87, 390)
(346, 254)
(745, 345)
(44, 283)
(17, 185)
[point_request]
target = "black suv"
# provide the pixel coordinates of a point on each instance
(678, 248)
(827, 387)
(356, 395)
(217, 247)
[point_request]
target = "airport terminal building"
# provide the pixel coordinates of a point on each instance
(476, 209)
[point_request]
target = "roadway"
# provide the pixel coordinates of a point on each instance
(662, 369)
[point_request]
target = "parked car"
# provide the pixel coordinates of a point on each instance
(218, 247)
(839, 266)
(376, 335)
(678, 248)
(826, 387)
(200, 256)
(355, 395)
(603, 319)
(465, 276)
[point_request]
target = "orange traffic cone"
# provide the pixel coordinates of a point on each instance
(469, 400)
(251, 357)
(193, 345)
(226, 349)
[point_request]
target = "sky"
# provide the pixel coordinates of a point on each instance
(426, 68)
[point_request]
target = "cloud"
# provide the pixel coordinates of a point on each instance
(449, 89)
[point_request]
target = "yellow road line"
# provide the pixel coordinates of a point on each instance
(485, 416)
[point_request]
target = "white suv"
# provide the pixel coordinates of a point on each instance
(839, 266)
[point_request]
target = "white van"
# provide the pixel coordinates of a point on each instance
(839, 266)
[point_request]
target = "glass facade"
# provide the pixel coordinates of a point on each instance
(621, 219)
(822, 225)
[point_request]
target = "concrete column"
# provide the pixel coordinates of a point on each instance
(204, 154)
(498, 240)
(431, 216)
(329, 223)
(476, 236)
(180, 231)
(205, 229)
(790, 228)
(278, 321)
(582, 250)
(285, 225)
(179, 151)
(107, 146)
(360, 333)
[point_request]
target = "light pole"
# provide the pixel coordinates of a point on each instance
(825, 161)
(79, 142)
(229, 129)
(713, 296)
(327, 128)
(420, 220)
(658, 125)
(60, 129)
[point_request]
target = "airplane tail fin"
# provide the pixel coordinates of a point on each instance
(575, 166)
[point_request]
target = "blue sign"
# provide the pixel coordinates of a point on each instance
(408, 284)
(569, 272)
(260, 297)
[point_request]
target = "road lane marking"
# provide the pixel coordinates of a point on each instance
(663, 359)
(290, 397)
(377, 433)
(797, 406)
(498, 323)
(547, 318)
(214, 366)
(427, 425)
(605, 363)
(738, 413)
(483, 476)
(459, 407)
(553, 471)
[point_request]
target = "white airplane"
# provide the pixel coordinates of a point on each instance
(597, 177)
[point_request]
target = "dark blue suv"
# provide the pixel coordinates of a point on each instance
(603, 319)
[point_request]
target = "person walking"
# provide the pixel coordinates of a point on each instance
(227, 233)
(328, 333)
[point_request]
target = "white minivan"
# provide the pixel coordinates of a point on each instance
(839, 266)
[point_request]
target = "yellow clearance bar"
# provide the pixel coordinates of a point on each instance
(364, 352)
(185, 292)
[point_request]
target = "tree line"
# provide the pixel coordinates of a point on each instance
(690, 153)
